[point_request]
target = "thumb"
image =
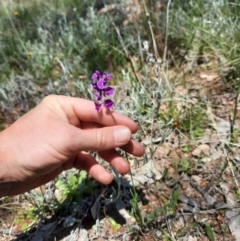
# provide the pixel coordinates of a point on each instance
(105, 138)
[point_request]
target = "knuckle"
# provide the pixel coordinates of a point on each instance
(49, 99)
(100, 139)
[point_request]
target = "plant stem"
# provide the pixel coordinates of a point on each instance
(137, 212)
(233, 119)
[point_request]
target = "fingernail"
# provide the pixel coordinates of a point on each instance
(122, 135)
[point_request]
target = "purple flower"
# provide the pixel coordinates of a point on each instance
(94, 85)
(96, 75)
(97, 106)
(99, 85)
(108, 103)
(106, 76)
(97, 96)
(109, 91)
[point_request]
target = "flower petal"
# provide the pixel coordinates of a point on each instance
(108, 91)
(94, 85)
(97, 96)
(106, 76)
(108, 103)
(101, 84)
(97, 106)
(96, 75)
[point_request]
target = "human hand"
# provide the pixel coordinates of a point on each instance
(54, 136)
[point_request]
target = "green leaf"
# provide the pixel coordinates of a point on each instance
(83, 175)
(24, 226)
(175, 195)
(114, 224)
(73, 181)
(165, 172)
(185, 148)
(143, 110)
(183, 165)
(60, 184)
(209, 232)
(197, 132)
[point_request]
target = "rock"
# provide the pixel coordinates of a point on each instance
(223, 127)
(83, 235)
(201, 149)
(232, 217)
(209, 77)
(197, 179)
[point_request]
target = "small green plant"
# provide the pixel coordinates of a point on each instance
(74, 187)
(185, 148)
(135, 208)
(192, 121)
(166, 237)
(26, 218)
(183, 165)
(238, 194)
(209, 231)
(114, 225)
(168, 207)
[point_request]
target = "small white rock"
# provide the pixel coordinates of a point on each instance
(83, 235)
(201, 149)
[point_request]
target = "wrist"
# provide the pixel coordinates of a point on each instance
(6, 181)
(5, 189)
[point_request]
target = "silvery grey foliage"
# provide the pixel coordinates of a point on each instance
(17, 96)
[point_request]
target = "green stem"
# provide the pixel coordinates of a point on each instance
(137, 211)
(233, 119)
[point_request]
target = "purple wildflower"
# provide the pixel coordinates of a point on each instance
(99, 85)
(106, 76)
(108, 103)
(96, 75)
(97, 106)
(109, 91)
(97, 96)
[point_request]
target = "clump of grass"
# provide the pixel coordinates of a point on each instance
(37, 35)
(208, 29)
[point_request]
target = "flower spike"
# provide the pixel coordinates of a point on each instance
(101, 90)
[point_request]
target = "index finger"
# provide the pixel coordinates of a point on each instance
(84, 110)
